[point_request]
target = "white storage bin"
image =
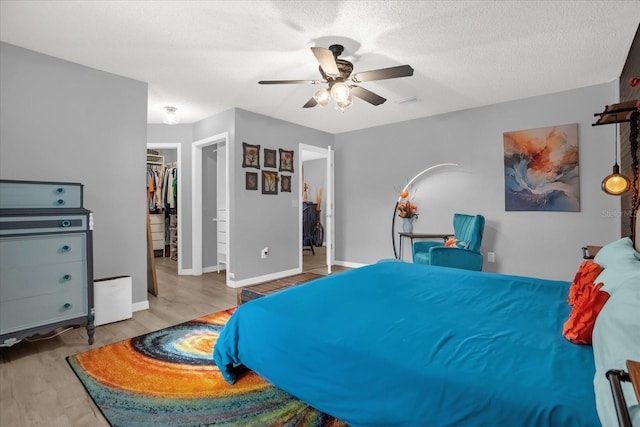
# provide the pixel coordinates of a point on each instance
(112, 299)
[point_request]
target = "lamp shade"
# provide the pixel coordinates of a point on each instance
(322, 97)
(340, 93)
(343, 105)
(616, 184)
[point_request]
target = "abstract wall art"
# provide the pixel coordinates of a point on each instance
(541, 170)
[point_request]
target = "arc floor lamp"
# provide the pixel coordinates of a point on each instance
(393, 222)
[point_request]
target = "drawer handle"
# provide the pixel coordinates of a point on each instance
(66, 306)
(65, 223)
(60, 202)
(66, 277)
(59, 190)
(65, 248)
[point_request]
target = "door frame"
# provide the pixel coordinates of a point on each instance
(196, 202)
(319, 153)
(175, 146)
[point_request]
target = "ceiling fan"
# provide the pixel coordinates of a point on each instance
(336, 73)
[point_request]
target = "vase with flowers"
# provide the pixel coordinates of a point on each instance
(407, 210)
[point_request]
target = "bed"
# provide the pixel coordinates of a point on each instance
(398, 344)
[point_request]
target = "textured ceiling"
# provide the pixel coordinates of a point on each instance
(204, 57)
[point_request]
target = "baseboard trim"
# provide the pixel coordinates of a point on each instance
(349, 264)
(265, 278)
(139, 306)
(213, 269)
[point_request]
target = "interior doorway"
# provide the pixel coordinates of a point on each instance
(167, 219)
(316, 192)
(217, 151)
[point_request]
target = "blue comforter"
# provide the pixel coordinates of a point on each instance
(397, 344)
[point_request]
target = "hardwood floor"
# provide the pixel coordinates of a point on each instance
(318, 263)
(37, 387)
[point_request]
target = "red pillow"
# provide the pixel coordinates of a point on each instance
(579, 327)
(451, 242)
(585, 277)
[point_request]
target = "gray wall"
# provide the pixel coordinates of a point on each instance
(372, 165)
(170, 156)
(60, 121)
(261, 220)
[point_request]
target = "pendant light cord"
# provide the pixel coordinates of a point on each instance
(615, 151)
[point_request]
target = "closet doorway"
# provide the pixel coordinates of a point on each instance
(211, 215)
(166, 221)
(316, 191)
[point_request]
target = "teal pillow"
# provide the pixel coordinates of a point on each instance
(616, 338)
(620, 261)
(616, 252)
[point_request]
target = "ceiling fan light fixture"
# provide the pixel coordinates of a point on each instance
(322, 97)
(340, 93)
(343, 105)
(170, 117)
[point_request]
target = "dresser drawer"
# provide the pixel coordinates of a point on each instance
(157, 229)
(28, 195)
(41, 310)
(43, 279)
(156, 219)
(24, 251)
(42, 224)
(158, 244)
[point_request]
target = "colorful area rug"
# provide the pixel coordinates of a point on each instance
(168, 378)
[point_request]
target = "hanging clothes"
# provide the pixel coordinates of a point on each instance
(157, 195)
(170, 189)
(154, 185)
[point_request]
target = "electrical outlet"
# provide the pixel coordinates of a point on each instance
(264, 253)
(491, 256)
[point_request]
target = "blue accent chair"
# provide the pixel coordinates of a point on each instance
(465, 254)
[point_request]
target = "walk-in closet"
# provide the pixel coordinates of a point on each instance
(162, 197)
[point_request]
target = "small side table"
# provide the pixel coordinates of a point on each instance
(615, 376)
(412, 236)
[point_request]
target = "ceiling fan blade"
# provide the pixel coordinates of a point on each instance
(367, 95)
(326, 60)
(310, 103)
(383, 74)
(288, 82)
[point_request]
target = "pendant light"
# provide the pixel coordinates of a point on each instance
(616, 184)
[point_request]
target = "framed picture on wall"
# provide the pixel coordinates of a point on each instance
(285, 183)
(286, 160)
(269, 158)
(269, 182)
(250, 156)
(541, 169)
(251, 181)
